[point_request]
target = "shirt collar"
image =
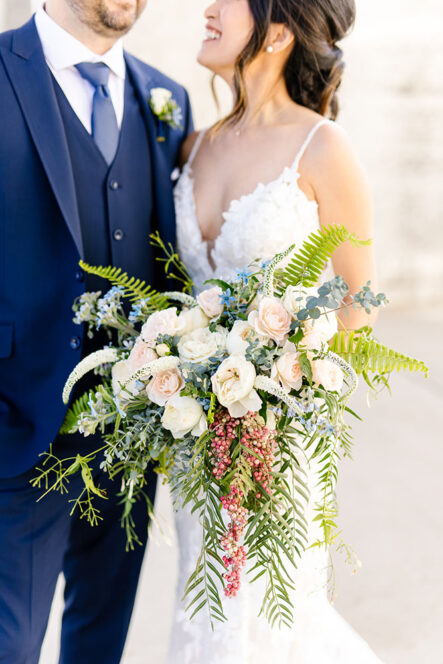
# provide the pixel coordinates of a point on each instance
(62, 50)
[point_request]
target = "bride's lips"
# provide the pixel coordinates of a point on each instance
(212, 34)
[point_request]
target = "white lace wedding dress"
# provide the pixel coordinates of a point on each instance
(259, 224)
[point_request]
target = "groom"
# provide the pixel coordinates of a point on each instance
(82, 174)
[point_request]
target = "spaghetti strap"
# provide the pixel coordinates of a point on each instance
(308, 139)
(196, 146)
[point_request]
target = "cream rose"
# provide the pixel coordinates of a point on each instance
(239, 337)
(328, 374)
(271, 319)
(141, 354)
(233, 385)
(164, 386)
(121, 373)
(192, 319)
(159, 99)
(210, 301)
(162, 322)
(287, 371)
(199, 345)
(183, 415)
(162, 350)
(271, 421)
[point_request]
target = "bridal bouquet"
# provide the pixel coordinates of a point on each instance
(228, 394)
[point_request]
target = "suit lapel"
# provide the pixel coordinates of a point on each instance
(164, 203)
(31, 80)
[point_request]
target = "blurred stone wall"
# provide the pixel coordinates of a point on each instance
(392, 106)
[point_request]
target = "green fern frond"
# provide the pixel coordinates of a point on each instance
(364, 353)
(308, 264)
(134, 289)
(79, 406)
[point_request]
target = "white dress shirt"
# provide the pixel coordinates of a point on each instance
(63, 51)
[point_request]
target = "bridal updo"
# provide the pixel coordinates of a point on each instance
(315, 66)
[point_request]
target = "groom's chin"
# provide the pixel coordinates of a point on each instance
(118, 16)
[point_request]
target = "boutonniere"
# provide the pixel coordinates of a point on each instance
(166, 110)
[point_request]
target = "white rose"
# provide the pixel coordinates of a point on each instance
(271, 319)
(121, 373)
(183, 415)
(239, 337)
(164, 386)
(162, 322)
(210, 301)
(159, 99)
(312, 341)
(199, 345)
(192, 319)
(295, 297)
(324, 327)
(287, 371)
(233, 385)
(328, 374)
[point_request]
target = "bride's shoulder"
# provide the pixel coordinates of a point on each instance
(331, 154)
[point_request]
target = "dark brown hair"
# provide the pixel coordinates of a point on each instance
(315, 66)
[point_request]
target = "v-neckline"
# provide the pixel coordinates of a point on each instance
(187, 172)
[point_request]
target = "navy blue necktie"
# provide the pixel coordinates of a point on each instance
(105, 130)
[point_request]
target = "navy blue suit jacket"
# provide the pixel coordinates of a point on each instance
(40, 239)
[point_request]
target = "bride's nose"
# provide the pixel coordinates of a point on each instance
(211, 11)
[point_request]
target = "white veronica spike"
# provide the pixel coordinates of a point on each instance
(183, 298)
(86, 365)
(347, 369)
(271, 387)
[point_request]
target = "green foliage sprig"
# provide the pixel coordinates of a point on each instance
(307, 266)
(364, 353)
(133, 289)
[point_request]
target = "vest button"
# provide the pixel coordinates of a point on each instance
(118, 234)
(80, 275)
(75, 343)
(114, 185)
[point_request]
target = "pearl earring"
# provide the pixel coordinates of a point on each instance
(269, 49)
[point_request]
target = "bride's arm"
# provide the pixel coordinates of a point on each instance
(341, 189)
(186, 148)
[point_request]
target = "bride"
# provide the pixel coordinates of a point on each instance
(262, 178)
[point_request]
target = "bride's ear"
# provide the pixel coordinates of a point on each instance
(279, 38)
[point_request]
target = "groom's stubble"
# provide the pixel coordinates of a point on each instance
(109, 18)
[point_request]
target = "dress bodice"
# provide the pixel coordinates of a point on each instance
(256, 226)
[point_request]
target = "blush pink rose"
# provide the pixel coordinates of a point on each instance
(210, 301)
(141, 354)
(164, 386)
(287, 371)
(328, 374)
(271, 320)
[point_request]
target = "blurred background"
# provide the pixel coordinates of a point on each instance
(390, 495)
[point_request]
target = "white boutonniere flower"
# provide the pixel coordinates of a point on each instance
(166, 110)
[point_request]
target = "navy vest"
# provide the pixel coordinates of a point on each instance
(115, 202)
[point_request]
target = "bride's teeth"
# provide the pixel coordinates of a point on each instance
(212, 34)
